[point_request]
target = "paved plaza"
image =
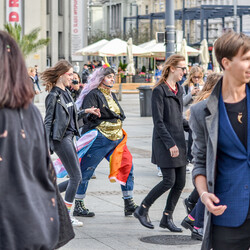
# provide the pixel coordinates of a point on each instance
(110, 229)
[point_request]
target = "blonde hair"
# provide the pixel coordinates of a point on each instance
(194, 69)
(31, 70)
(172, 61)
(211, 81)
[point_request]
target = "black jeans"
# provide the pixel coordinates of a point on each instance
(174, 179)
(66, 151)
(233, 238)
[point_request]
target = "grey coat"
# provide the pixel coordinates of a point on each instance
(204, 123)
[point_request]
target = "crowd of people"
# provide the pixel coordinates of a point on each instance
(213, 111)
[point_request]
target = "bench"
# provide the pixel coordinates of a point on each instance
(129, 88)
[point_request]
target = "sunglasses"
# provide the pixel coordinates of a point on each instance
(183, 68)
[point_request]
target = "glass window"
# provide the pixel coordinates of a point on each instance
(60, 7)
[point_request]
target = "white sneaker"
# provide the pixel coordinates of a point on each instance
(75, 222)
(159, 173)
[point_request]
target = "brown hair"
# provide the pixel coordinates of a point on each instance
(229, 44)
(51, 75)
(211, 81)
(171, 61)
(194, 69)
(15, 84)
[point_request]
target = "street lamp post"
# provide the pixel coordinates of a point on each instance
(235, 15)
(170, 28)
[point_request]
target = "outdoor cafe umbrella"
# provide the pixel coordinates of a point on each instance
(216, 66)
(183, 50)
(204, 54)
(159, 49)
(130, 67)
(90, 48)
(117, 47)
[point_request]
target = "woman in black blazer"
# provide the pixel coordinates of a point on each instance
(168, 145)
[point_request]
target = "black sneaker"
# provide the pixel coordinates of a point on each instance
(197, 234)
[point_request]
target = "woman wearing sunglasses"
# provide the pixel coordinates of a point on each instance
(168, 144)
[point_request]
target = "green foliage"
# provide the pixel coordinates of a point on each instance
(27, 43)
(123, 66)
(143, 69)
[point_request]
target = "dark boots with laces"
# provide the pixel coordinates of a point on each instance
(129, 206)
(81, 210)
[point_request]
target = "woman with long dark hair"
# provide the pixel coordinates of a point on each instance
(28, 207)
(61, 123)
(168, 145)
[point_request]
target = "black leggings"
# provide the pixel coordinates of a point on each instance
(66, 151)
(174, 179)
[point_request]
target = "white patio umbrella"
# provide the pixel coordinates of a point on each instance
(130, 60)
(90, 48)
(118, 47)
(183, 50)
(204, 54)
(216, 65)
(159, 49)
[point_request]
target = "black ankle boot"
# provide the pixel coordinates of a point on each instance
(141, 213)
(167, 222)
(188, 224)
(81, 210)
(129, 206)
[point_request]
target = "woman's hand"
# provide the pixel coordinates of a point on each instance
(94, 111)
(194, 91)
(174, 151)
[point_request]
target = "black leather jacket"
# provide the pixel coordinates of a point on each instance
(57, 117)
(95, 98)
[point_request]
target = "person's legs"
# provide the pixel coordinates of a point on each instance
(99, 149)
(127, 190)
(238, 238)
(173, 197)
(191, 200)
(163, 186)
(67, 154)
(175, 192)
(141, 213)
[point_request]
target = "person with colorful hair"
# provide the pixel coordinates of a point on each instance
(110, 142)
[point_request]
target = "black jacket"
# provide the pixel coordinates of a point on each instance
(57, 117)
(169, 127)
(96, 98)
(29, 215)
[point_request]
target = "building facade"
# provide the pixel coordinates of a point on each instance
(63, 21)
